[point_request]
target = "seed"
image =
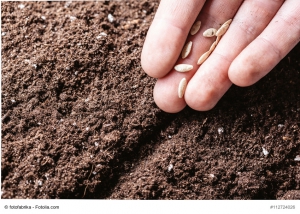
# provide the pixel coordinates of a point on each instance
(228, 22)
(218, 39)
(183, 67)
(203, 57)
(182, 87)
(210, 32)
(186, 49)
(195, 28)
(213, 46)
(222, 30)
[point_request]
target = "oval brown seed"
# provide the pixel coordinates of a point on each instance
(183, 67)
(203, 57)
(195, 28)
(210, 32)
(182, 87)
(222, 30)
(186, 49)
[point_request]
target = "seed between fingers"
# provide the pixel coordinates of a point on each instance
(210, 32)
(186, 49)
(195, 28)
(213, 46)
(182, 87)
(203, 57)
(222, 30)
(183, 67)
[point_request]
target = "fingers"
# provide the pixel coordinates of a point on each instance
(261, 56)
(167, 35)
(213, 14)
(211, 81)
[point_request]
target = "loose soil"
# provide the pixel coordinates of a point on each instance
(79, 120)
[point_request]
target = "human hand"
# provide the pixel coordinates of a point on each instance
(261, 34)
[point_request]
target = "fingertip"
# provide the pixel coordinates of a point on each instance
(151, 63)
(238, 74)
(201, 102)
(166, 98)
(247, 69)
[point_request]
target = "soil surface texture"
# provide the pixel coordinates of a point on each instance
(79, 120)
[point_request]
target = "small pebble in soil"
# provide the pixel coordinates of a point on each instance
(220, 130)
(67, 4)
(47, 176)
(21, 6)
(286, 138)
(72, 18)
(280, 126)
(110, 18)
(265, 151)
(102, 34)
(297, 158)
(170, 167)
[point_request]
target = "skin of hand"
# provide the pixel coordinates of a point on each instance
(261, 34)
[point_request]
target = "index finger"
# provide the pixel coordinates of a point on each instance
(167, 35)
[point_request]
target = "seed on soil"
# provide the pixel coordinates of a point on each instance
(222, 30)
(182, 87)
(183, 67)
(195, 28)
(210, 32)
(297, 158)
(203, 57)
(186, 49)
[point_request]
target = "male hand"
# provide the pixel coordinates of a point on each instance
(261, 34)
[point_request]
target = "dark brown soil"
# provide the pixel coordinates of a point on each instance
(79, 120)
